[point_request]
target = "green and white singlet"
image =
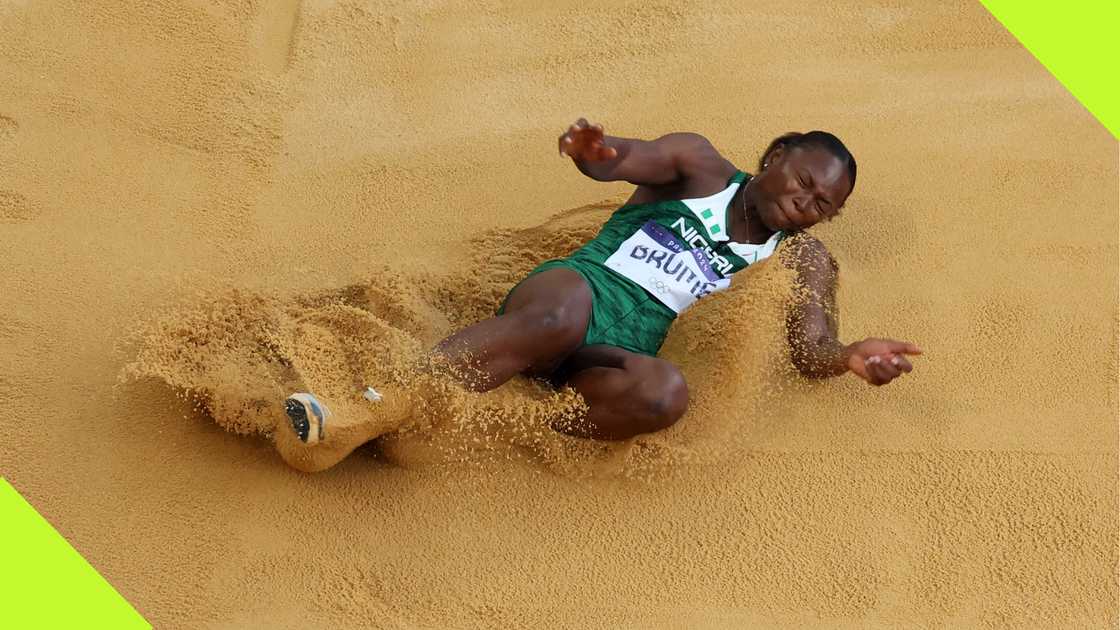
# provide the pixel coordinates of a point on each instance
(652, 261)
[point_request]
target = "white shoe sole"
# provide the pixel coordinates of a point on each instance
(308, 416)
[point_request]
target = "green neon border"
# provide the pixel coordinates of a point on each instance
(1077, 42)
(45, 583)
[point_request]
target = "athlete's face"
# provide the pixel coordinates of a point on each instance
(800, 187)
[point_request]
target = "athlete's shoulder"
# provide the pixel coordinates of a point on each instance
(703, 166)
(693, 150)
(705, 174)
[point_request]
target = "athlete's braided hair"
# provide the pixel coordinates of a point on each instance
(819, 139)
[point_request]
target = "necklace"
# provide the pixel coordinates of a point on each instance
(746, 218)
(743, 198)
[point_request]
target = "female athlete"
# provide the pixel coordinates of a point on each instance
(596, 319)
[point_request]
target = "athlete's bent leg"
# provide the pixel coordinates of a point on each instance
(627, 393)
(544, 321)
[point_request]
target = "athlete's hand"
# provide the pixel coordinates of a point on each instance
(583, 142)
(880, 361)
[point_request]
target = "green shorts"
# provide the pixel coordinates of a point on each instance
(623, 314)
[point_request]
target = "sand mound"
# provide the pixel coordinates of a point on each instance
(317, 191)
(236, 355)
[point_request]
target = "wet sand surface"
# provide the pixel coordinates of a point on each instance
(201, 199)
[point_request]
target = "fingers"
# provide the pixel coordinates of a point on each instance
(582, 126)
(584, 141)
(886, 372)
(881, 370)
(903, 347)
(873, 370)
(601, 151)
(870, 374)
(898, 347)
(902, 364)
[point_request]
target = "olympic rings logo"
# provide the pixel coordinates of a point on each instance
(659, 286)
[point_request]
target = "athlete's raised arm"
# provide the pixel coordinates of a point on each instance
(666, 160)
(815, 348)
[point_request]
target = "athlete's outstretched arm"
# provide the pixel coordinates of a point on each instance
(815, 347)
(666, 160)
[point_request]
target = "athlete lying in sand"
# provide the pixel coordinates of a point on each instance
(596, 319)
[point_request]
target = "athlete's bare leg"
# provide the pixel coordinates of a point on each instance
(544, 321)
(540, 332)
(627, 393)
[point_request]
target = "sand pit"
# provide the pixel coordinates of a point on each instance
(205, 201)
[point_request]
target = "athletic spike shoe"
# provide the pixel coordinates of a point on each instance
(308, 416)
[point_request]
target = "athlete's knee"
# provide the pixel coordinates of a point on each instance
(663, 398)
(560, 323)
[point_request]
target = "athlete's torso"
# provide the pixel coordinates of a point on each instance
(676, 250)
